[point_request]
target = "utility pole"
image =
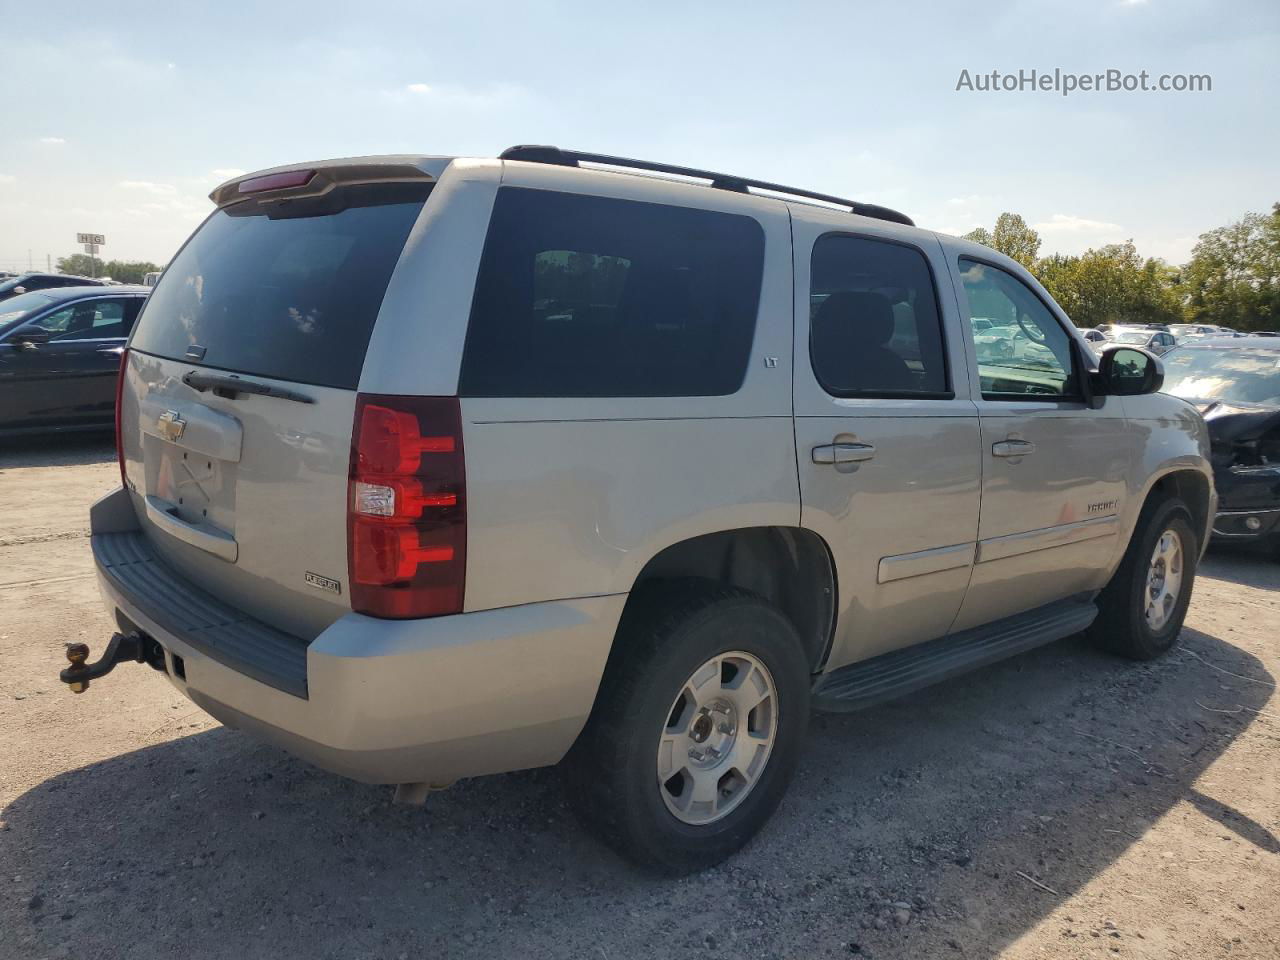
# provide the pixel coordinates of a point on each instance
(48, 263)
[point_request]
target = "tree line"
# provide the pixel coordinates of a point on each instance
(1232, 278)
(126, 271)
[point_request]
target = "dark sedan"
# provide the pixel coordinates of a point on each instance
(29, 282)
(1236, 385)
(60, 354)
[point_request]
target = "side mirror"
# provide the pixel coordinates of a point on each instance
(29, 337)
(1128, 372)
(18, 290)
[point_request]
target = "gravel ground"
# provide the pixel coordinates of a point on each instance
(1061, 804)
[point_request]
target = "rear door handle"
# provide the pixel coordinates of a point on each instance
(843, 453)
(1012, 448)
(205, 536)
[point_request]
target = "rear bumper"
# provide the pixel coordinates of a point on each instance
(395, 701)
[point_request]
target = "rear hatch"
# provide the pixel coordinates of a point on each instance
(240, 385)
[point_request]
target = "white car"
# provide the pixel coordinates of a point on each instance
(1157, 341)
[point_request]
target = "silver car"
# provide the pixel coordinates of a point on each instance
(438, 467)
(1156, 341)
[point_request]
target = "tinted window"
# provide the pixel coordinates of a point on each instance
(288, 290)
(96, 320)
(59, 322)
(1025, 351)
(593, 297)
(874, 328)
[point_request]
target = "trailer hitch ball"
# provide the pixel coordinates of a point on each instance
(122, 648)
(77, 653)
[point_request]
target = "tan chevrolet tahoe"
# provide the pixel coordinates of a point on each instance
(437, 467)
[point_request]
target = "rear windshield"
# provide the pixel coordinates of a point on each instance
(15, 308)
(288, 290)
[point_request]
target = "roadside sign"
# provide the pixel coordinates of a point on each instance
(96, 239)
(91, 249)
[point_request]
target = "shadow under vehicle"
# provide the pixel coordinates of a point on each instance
(1053, 763)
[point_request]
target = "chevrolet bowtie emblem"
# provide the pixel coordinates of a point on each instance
(170, 425)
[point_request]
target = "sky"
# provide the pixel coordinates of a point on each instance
(120, 118)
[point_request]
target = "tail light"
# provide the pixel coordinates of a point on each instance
(407, 514)
(124, 366)
(276, 181)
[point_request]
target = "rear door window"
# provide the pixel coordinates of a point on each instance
(583, 296)
(288, 290)
(874, 325)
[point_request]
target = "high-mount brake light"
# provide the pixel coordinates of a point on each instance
(406, 515)
(276, 181)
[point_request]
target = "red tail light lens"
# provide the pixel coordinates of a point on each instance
(407, 526)
(124, 366)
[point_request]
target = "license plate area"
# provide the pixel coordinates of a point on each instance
(192, 455)
(197, 488)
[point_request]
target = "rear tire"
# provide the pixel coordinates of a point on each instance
(696, 729)
(1141, 610)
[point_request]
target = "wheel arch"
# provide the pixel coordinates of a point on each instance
(1194, 488)
(790, 567)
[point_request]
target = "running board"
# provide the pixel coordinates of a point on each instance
(899, 672)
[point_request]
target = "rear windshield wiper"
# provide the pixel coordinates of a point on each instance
(228, 387)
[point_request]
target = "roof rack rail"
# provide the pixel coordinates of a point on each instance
(533, 153)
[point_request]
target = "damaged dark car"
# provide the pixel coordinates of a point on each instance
(1236, 386)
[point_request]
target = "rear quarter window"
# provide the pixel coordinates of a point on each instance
(286, 290)
(581, 296)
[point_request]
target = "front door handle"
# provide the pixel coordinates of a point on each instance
(1012, 448)
(843, 453)
(111, 351)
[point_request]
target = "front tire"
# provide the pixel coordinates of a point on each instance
(696, 729)
(1144, 605)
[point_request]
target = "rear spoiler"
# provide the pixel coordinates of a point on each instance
(314, 180)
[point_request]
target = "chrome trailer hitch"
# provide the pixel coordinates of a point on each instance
(121, 648)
